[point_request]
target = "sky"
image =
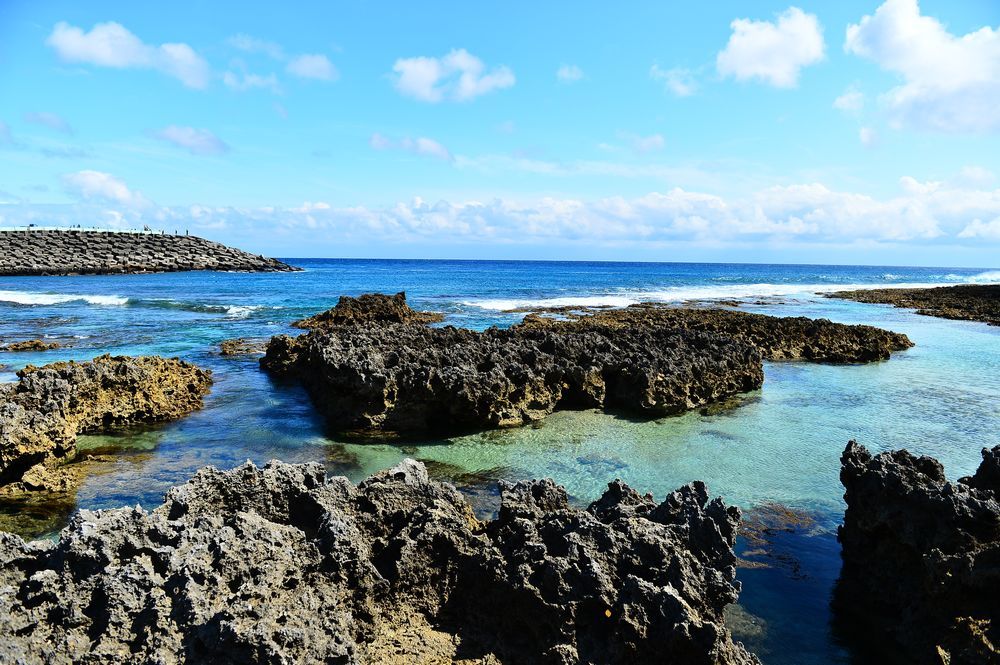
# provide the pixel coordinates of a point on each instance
(756, 131)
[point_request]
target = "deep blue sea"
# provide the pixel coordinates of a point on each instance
(782, 444)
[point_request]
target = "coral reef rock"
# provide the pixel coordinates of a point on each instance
(776, 337)
(31, 345)
(242, 346)
(921, 570)
(411, 378)
(965, 302)
(368, 308)
(42, 414)
(280, 565)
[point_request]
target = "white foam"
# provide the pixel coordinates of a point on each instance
(681, 294)
(32, 298)
(988, 277)
(241, 311)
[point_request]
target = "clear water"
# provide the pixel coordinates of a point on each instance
(781, 444)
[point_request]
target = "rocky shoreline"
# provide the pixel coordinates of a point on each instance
(281, 564)
(963, 302)
(921, 571)
(44, 411)
(79, 252)
(372, 365)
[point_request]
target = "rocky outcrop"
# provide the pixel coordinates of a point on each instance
(31, 345)
(411, 378)
(965, 302)
(368, 308)
(80, 252)
(281, 565)
(42, 414)
(777, 338)
(922, 556)
(242, 346)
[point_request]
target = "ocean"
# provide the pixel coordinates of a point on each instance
(781, 444)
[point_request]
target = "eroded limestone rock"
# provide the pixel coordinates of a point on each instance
(922, 556)
(279, 564)
(42, 414)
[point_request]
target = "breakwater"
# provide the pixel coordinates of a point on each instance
(86, 252)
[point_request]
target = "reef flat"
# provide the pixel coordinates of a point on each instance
(963, 302)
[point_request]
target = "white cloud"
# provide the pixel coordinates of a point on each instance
(6, 138)
(804, 214)
(313, 66)
(868, 137)
(772, 52)
(112, 45)
(950, 83)
(852, 101)
(647, 143)
(980, 229)
(418, 146)
(458, 76)
(195, 141)
(90, 185)
(250, 44)
(678, 80)
(50, 120)
(244, 80)
(569, 73)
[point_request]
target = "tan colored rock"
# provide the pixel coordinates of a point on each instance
(42, 414)
(368, 308)
(31, 345)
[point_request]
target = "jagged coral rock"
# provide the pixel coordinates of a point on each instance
(368, 308)
(921, 556)
(281, 565)
(41, 414)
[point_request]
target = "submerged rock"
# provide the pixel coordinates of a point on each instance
(922, 556)
(42, 414)
(966, 302)
(242, 346)
(411, 378)
(368, 308)
(31, 345)
(776, 337)
(280, 564)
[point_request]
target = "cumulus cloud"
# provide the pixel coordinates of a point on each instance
(458, 76)
(569, 73)
(96, 185)
(774, 53)
(244, 80)
(313, 66)
(419, 146)
(195, 141)
(852, 101)
(50, 120)
(249, 44)
(950, 83)
(112, 45)
(868, 137)
(677, 80)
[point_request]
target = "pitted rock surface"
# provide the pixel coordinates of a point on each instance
(776, 337)
(281, 565)
(79, 252)
(411, 378)
(42, 414)
(368, 308)
(922, 556)
(965, 302)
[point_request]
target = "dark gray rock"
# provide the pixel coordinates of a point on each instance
(921, 570)
(281, 565)
(74, 251)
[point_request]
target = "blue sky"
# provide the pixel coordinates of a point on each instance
(734, 131)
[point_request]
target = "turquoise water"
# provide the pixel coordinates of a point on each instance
(781, 444)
